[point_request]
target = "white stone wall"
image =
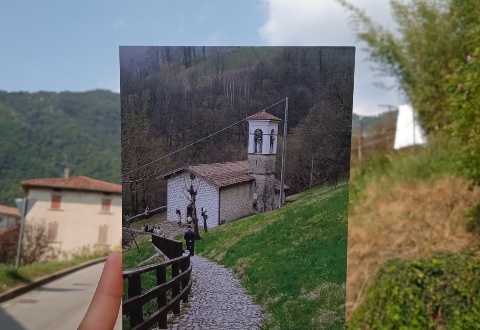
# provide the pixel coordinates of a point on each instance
(236, 202)
(79, 218)
(178, 198)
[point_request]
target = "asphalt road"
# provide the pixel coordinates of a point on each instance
(60, 304)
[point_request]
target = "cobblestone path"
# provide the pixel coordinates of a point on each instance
(218, 301)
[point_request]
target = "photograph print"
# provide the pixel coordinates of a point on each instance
(235, 183)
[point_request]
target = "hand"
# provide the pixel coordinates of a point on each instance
(103, 310)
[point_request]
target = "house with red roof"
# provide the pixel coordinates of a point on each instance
(79, 213)
(9, 216)
(232, 190)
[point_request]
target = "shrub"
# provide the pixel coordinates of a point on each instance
(438, 292)
(473, 216)
(8, 242)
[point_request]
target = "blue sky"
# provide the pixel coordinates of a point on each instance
(73, 45)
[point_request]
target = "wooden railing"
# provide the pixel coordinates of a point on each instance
(171, 248)
(179, 286)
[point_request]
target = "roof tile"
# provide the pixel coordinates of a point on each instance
(263, 116)
(223, 174)
(7, 210)
(77, 183)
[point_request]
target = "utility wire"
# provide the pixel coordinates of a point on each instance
(263, 66)
(193, 143)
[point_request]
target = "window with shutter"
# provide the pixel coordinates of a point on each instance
(56, 202)
(52, 232)
(103, 235)
(106, 205)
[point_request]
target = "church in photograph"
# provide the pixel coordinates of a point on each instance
(232, 190)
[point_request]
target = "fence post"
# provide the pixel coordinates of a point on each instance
(176, 286)
(162, 298)
(135, 289)
(185, 264)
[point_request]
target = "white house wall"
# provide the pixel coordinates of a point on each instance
(79, 218)
(178, 198)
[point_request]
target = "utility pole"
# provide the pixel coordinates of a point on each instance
(282, 175)
(413, 125)
(390, 118)
(360, 140)
(20, 235)
(24, 205)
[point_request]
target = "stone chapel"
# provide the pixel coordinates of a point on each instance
(232, 190)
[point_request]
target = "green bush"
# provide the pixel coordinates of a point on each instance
(440, 292)
(473, 216)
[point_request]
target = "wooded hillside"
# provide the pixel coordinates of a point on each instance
(174, 96)
(40, 131)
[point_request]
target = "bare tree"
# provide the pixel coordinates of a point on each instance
(205, 217)
(193, 196)
(35, 246)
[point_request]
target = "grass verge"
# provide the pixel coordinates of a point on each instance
(11, 277)
(405, 205)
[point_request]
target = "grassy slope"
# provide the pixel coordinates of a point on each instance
(292, 260)
(404, 205)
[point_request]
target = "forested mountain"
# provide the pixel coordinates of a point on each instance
(41, 131)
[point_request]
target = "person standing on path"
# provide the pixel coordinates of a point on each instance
(179, 215)
(190, 237)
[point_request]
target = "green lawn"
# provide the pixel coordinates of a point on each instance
(292, 260)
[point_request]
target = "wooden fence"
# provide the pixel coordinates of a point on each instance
(171, 248)
(178, 288)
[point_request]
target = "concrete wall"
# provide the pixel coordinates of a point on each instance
(79, 218)
(236, 202)
(178, 198)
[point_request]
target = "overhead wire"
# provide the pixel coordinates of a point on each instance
(200, 140)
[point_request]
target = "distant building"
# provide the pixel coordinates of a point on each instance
(9, 216)
(408, 132)
(232, 190)
(77, 212)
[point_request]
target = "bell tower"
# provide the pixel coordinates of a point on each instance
(262, 154)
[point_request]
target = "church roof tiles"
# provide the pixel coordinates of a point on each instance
(263, 116)
(221, 174)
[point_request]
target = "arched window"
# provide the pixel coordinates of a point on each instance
(272, 140)
(258, 138)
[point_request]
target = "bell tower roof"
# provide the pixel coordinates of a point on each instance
(263, 116)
